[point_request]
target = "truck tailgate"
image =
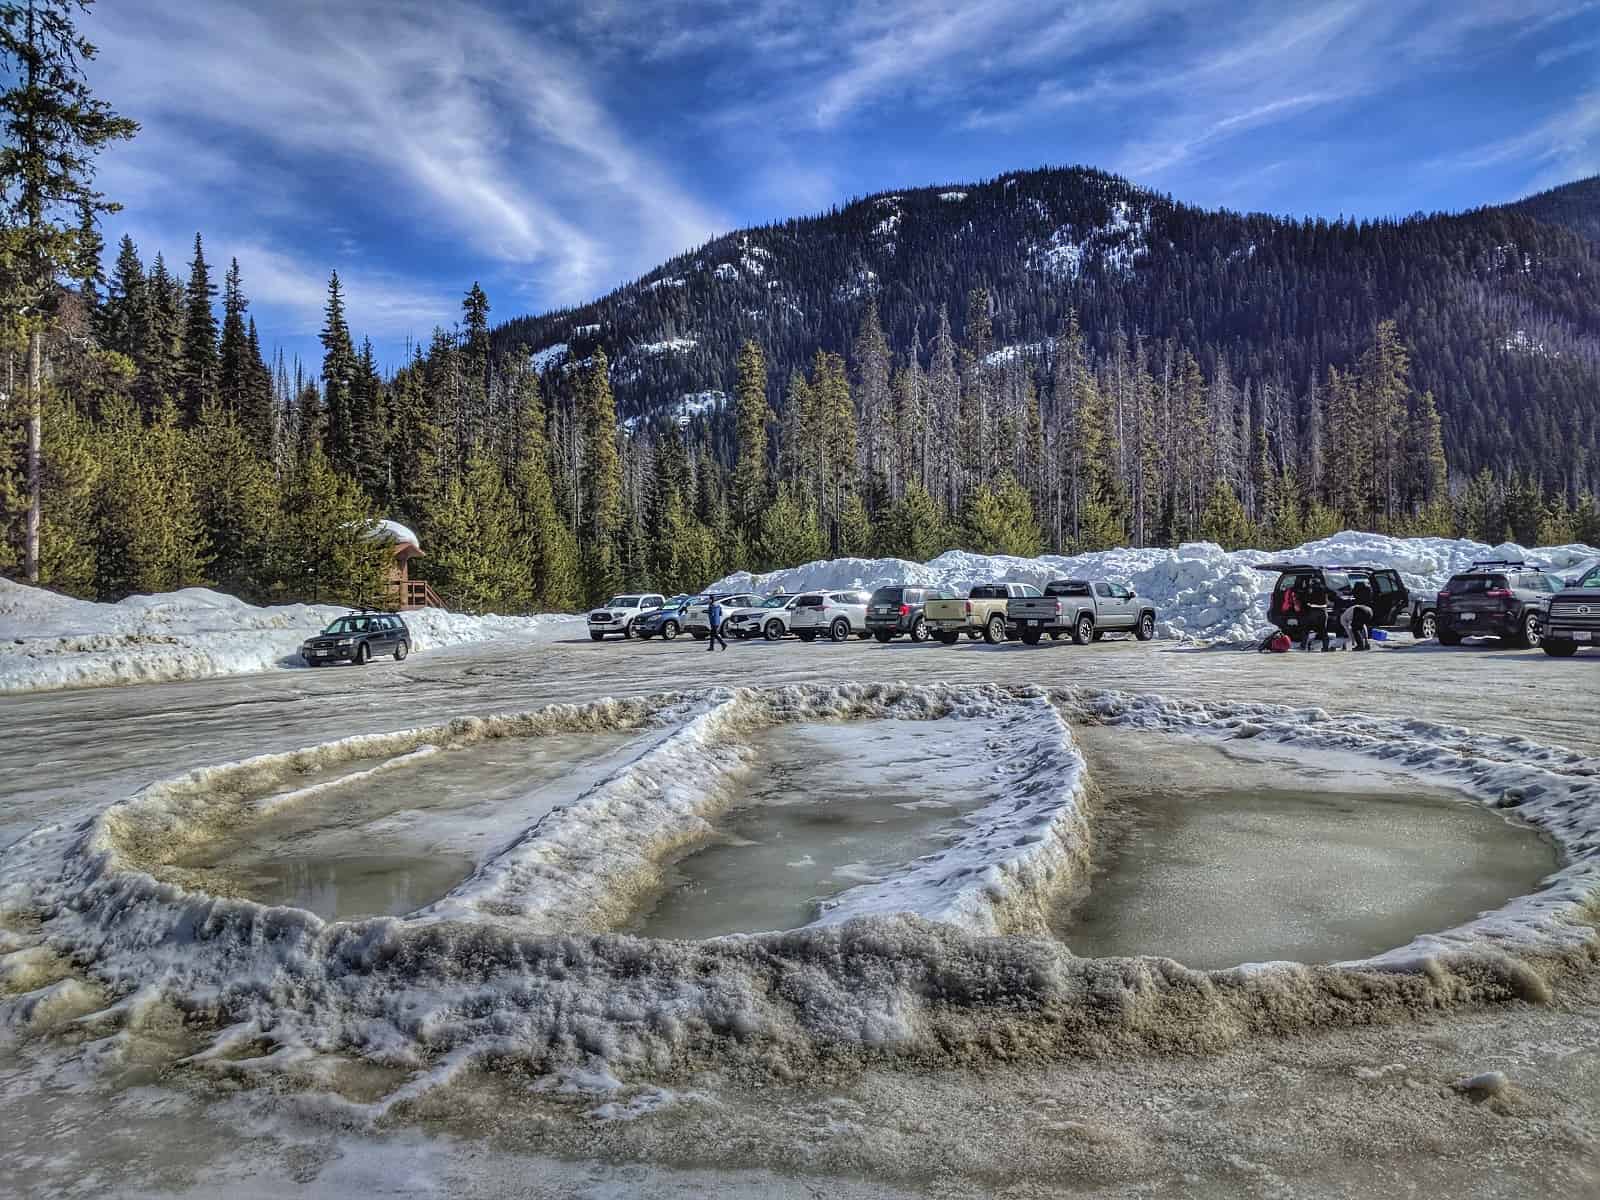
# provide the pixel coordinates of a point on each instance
(945, 610)
(1044, 608)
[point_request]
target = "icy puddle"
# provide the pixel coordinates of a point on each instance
(1219, 855)
(361, 843)
(825, 808)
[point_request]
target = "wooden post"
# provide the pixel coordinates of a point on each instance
(35, 457)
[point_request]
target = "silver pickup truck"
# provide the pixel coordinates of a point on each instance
(1086, 610)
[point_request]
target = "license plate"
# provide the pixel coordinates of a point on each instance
(1291, 622)
(1467, 616)
(1036, 622)
(319, 653)
(1580, 636)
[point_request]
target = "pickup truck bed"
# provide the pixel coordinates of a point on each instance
(1083, 609)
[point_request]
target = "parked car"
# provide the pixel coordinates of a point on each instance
(665, 622)
(1507, 600)
(1391, 601)
(620, 612)
(1088, 611)
(1424, 622)
(894, 609)
(834, 615)
(1574, 619)
(770, 619)
(981, 614)
(697, 613)
(358, 638)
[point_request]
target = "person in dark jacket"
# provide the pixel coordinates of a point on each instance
(1357, 620)
(714, 616)
(1315, 620)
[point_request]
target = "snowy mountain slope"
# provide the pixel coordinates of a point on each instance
(1201, 591)
(53, 641)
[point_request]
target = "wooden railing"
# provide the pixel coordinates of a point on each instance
(417, 593)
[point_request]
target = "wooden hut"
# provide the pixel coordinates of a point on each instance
(404, 591)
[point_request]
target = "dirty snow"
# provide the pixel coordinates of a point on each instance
(1201, 591)
(53, 641)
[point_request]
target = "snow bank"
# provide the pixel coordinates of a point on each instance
(52, 641)
(516, 966)
(1201, 591)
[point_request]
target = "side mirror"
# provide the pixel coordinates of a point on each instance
(1132, 592)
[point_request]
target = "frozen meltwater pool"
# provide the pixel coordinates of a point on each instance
(1216, 855)
(826, 807)
(390, 843)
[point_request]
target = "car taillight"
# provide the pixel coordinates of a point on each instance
(1498, 593)
(969, 608)
(1058, 608)
(1444, 596)
(905, 610)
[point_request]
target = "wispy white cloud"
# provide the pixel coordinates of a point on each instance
(1563, 147)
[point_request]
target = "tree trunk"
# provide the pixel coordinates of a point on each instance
(35, 457)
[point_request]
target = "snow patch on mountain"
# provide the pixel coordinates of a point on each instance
(1010, 354)
(727, 271)
(1201, 592)
(952, 197)
(863, 281)
(684, 410)
(1115, 244)
(542, 359)
(671, 281)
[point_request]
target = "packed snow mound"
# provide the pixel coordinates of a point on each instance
(1201, 592)
(524, 960)
(53, 641)
(392, 531)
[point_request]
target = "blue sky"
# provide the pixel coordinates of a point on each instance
(553, 151)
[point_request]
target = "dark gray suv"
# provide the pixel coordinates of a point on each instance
(357, 638)
(1506, 600)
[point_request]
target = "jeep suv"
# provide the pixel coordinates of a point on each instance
(1507, 600)
(894, 610)
(357, 638)
(1391, 602)
(1574, 619)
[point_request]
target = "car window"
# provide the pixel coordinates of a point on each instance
(1102, 589)
(1472, 585)
(1067, 587)
(887, 595)
(1591, 580)
(1120, 592)
(1337, 581)
(1386, 582)
(1029, 591)
(808, 602)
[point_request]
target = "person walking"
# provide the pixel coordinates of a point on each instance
(714, 615)
(1357, 620)
(1316, 614)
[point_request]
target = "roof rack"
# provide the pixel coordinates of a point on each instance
(1516, 563)
(1294, 566)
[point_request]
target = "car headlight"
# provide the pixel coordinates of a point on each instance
(343, 642)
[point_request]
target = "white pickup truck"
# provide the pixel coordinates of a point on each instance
(1086, 610)
(619, 614)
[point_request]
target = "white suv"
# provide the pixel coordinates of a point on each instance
(619, 614)
(834, 615)
(770, 620)
(697, 613)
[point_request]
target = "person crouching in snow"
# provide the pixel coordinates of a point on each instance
(1357, 620)
(714, 615)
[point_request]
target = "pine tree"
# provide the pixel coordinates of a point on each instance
(197, 378)
(159, 359)
(915, 528)
(1224, 521)
(338, 381)
(257, 405)
(234, 366)
(323, 547)
(369, 427)
(872, 362)
(236, 503)
(602, 512)
(126, 309)
(148, 532)
(477, 547)
(552, 552)
(750, 429)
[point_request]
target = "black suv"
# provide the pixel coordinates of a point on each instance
(1574, 619)
(1390, 599)
(895, 610)
(358, 636)
(1507, 600)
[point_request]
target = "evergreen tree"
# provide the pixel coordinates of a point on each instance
(236, 498)
(159, 360)
(552, 552)
(148, 532)
(126, 310)
(916, 529)
(602, 512)
(1224, 521)
(235, 369)
(323, 545)
(339, 370)
(477, 544)
(198, 370)
(750, 429)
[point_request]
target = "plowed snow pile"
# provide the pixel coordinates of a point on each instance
(53, 641)
(1201, 591)
(940, 962)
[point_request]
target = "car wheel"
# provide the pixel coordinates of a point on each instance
(994, 632)
(362, 655)
(1147, 627)
(595, 637)
(1532, 632)
(1449, 637)
(317, 662)
(883, 635)
(805, 635)
(839, 630)
(774, 631)
(1030, 637)
(919, 630)
(669, 631)
(401, 650)
(948, 639)
(627, 632)
(1427, 627)
(1083, 631)
(1558, 649)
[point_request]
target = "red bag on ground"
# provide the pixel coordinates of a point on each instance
(1280, 644)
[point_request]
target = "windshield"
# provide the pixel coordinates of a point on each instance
(887, 595)
(623, 602)
(1469, 585)
(348, 625)
(778, 602)
(1591, 580)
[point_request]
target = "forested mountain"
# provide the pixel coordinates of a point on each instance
(1499, 308)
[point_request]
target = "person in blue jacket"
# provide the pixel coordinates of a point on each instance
(714, 615)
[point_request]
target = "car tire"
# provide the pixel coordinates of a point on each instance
(1449, 637)
(948, 639)
(627, 632)
(1083, 631)
(1531, 631)
(1146, 629)
(313, 662)
(1099, 635)
(994, 631)
(669, 631)
(773, 631)
(362, 655)
(883, 635)
(1558, 648)
(806, 635)
(919, 630)
(595, 637)
(401, 650)
(839, 630)
(1030, 637)
(1426, 628)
